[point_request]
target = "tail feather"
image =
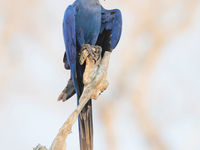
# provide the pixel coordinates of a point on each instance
(86, 128)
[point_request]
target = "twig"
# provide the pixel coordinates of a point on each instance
(95, 82)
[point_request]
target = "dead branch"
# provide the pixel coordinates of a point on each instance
(95, 82)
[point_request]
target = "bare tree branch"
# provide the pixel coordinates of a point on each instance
(95, 82)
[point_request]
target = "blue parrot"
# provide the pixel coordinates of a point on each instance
(87, 22)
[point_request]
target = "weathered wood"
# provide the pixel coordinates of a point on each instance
(95, 82)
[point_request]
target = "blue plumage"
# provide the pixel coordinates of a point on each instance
(87, 22)
(112, 20)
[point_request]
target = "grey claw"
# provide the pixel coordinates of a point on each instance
(94, 53)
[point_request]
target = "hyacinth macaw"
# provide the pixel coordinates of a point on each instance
(87, 22)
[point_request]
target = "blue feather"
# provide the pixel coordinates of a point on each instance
(69, 34)
(87, 22)
(112, 20)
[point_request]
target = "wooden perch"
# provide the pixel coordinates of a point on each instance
(95, 83)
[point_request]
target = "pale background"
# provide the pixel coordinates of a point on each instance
(153, 101)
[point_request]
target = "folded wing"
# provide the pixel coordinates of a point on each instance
(111, 27)
(69, 34)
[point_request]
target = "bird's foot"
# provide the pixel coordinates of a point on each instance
(92, 52)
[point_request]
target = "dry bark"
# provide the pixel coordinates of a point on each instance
(95, 82)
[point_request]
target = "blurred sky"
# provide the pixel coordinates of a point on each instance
(152, 102)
